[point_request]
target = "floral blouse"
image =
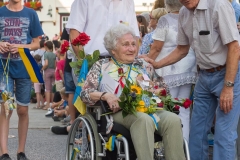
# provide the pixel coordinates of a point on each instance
(146, 42)
(93, 79)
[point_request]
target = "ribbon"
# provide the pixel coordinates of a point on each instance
(154, 120)
(120, 84)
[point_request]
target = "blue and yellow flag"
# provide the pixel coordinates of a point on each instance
(77, 102)
(30, 65)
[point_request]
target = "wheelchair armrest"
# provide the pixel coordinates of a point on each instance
(104, 106)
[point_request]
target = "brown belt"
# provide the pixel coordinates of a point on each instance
(214, 69)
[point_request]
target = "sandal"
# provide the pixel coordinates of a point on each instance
(45, 108)
(42, 106)
(37, 107)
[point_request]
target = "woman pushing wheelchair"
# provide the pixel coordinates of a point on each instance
(121, 44)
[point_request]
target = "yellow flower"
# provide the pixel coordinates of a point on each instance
(141, 103)
(136, 89)
(140, 109)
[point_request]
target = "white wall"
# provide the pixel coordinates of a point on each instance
(139, 5)
(51, 25)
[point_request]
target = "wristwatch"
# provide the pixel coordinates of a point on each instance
(229, 84)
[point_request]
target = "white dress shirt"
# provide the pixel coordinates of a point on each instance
(95, 17)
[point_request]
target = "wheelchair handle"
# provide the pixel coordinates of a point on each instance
(104, 106)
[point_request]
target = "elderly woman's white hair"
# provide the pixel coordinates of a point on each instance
(172, 5)
(114, 34)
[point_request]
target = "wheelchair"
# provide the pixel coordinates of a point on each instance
(87, 139)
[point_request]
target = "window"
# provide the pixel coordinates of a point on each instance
(64, 20)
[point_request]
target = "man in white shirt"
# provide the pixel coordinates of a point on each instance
(95, 17)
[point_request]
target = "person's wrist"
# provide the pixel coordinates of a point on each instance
(102, 97)
(229, 84)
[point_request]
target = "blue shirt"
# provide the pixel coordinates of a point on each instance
(146, 42)
(236, 8)
(18, 28)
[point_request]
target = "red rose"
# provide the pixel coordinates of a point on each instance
(187, 103)
(155, 87)
(163, 92)
(160, 104)
(176, 99)
(64, 47)
(177, 107)
(120, 71)
(82, 39)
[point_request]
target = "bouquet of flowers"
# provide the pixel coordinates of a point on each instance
(80, 42)
(135, 99)
(173, 104)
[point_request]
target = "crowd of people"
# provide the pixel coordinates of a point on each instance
(178, 45)
(51, 95)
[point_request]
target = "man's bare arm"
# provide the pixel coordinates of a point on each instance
(226, 97)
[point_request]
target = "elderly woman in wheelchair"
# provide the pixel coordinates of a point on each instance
(122, 45)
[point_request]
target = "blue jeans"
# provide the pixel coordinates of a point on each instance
(69, 83)
(206, 104)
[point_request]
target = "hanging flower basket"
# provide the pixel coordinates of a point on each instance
(3, 3)
(34, 5)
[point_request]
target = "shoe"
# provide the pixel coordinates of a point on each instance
(56, 118)
(66, 120)
(49, 113)
(59, 130)
(5, 157)
(21, 156)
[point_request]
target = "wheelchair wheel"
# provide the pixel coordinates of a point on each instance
(83, 141)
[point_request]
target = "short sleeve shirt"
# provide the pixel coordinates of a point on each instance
(18, 28)
(95, 17)
(216, 20)
(60, 66)
(51, 57)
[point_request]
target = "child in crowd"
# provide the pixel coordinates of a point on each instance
(60, 110)
(49, 71)
(38, 86)
(59, 79)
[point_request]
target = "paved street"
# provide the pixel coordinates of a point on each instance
(42, 144)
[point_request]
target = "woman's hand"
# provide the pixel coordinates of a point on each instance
(112, 101)
(156, 91)
(4, 47)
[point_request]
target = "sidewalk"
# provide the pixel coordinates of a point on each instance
(41, 143)
(37, 119)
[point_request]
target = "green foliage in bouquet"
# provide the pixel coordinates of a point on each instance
(80, 41)
(134, 99)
